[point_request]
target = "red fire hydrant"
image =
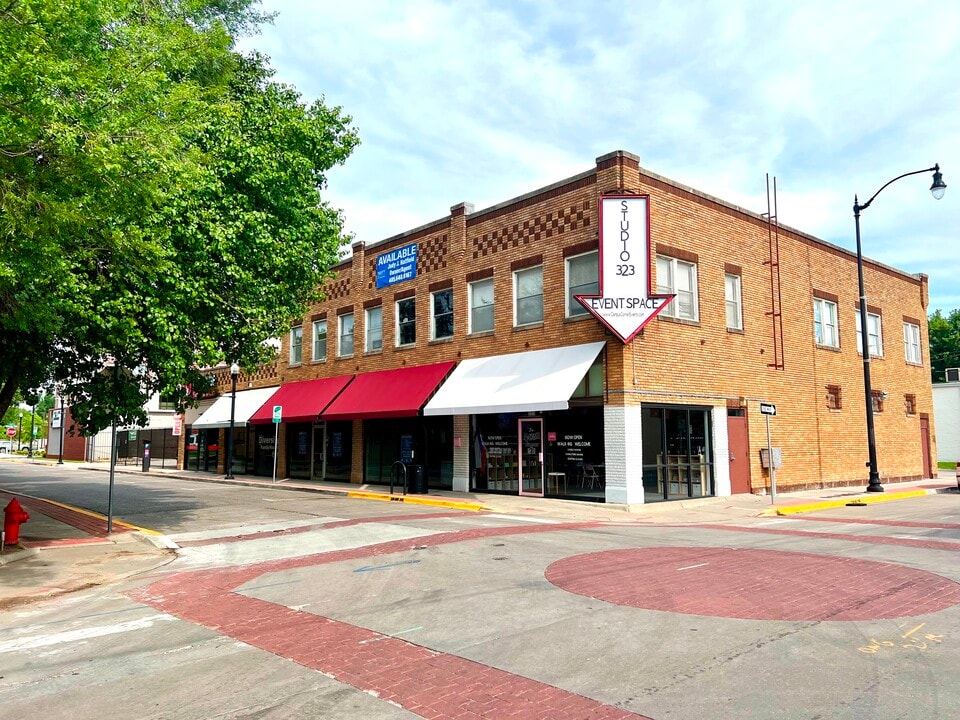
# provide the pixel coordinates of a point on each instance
(13, 516)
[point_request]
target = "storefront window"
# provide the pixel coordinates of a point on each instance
(339, 450)
(298, 450)
(677, 457)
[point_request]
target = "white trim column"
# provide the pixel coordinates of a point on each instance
(623, 455)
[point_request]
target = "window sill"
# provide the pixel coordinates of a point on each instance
(318, 362)
(828, 348)
(911, 363)
(480, 334)
(734, 331)
(441, 341)
(578, 318)
(345, 357)
(294, 364)
(528, 326)
(678, 321)
(408, 346)
(368, 353)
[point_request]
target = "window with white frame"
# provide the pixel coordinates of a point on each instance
(373, 328)
(407, 321)
(345, 335)
(441, 314)
(911, 343)
(296, 345)
(677, 277)
(481, 305)
(583, 278)
(825, 323)
(731, 286)
(528, 292)
(319, 340)
(874, 335)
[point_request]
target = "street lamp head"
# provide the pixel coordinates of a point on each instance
(939, 186)
(234, 369)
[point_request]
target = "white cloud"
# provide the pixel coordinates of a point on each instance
(485, 100)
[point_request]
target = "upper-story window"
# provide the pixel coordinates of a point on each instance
(874, 335)
(481, 305)
(296, 345)
(528, 291)
(319, 340)
(825, 323)
(407, 321)
(731, 289)
(373, 324)
(345, 344)
(678, 277)
(441, 314)
(583, 278)
(911, 343)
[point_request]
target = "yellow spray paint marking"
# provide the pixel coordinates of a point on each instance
(914, 641)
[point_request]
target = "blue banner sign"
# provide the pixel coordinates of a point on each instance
(397, 265)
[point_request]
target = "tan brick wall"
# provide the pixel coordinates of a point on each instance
(700, 363)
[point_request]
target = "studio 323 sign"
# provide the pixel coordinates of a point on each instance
(625, 301)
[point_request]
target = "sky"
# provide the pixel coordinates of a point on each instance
(482, 101)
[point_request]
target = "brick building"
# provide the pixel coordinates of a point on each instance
(459, 346)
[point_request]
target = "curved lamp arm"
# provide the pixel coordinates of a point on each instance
(937, 184)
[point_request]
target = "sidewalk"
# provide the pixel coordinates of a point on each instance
(64, 548)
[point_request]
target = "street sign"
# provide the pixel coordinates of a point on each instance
(277, 413)
(11, 432)
(768, 409)
(625, 300)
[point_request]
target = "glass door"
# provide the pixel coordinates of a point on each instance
(318, 470)
(531, 456)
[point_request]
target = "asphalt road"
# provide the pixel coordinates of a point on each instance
(291, 605)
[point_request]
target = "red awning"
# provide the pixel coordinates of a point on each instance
(301, 401)
(388, 393)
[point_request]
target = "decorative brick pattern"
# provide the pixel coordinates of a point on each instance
(534, 230)
(337, 289)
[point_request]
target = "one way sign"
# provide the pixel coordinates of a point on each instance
(768, 408)
(625, 302)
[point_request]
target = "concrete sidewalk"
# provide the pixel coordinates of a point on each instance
(65, 548)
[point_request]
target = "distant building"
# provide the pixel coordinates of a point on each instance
(459, 347)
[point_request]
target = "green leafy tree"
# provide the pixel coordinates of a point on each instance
(944, 343)
(160, 205)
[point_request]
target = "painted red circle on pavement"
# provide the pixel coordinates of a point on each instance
(754, 584)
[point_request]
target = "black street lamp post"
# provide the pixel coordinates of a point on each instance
(33, 418)
(234, 371)
(937, 189)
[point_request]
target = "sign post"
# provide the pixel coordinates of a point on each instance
(767, 409)
(277, 417)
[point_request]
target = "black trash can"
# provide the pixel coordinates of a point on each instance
(416, 479)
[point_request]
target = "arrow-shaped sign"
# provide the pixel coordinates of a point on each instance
(625, 302)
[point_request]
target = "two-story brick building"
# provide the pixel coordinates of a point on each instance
(460, 346)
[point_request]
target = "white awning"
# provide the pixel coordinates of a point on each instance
(519, 382)
(248, 402)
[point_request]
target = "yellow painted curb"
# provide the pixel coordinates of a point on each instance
(457, 504)
(865, 499)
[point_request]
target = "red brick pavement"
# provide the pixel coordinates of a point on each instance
(740, 583)
(873, 539)
(429, 683)
(324, 526)
(754, 584)
(884, 523)
(88, 523)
